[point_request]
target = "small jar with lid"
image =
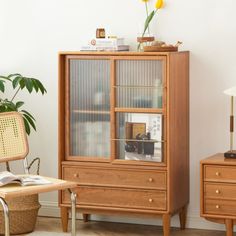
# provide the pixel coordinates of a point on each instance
(100, 33)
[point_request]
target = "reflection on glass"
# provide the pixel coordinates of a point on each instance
(139, 83)
(89, 108)
(139, 136)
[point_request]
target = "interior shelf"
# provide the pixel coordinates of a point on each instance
(137, 87)
(92, 112)
(140, 110)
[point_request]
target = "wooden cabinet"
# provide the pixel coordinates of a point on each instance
(124, 133)
(218, 190)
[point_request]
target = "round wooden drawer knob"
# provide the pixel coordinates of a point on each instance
(217, 173)
(76, 175)
(150, 200)
(150, 179)
(217, 191)
(217, 207)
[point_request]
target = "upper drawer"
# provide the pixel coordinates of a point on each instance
(220, 173)
(116, 178)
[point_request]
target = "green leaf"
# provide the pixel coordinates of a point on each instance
(16, 81)
(26, 112)
(13, 75)
(41, 87)
(31, 122)
(22, 83)
(4, 77)
(27, 127)
(19, 104)
(35, 85)
(148, 20)
(29, 84)
(2, 87)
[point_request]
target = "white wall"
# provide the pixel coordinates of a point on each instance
(32, 32)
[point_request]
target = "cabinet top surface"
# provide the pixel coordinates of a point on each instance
(121, 53)
(219, 159)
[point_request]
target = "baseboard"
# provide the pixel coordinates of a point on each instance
(194, 221)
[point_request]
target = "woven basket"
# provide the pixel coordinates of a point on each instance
(23, 214)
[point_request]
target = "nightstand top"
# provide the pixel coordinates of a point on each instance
(218, 159)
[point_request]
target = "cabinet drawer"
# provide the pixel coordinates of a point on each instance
(116, 178)
(220, 174)
(220, 207)
(122, 198)
(221, 191)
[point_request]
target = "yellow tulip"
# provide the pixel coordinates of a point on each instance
(159, 4)
(145, 0)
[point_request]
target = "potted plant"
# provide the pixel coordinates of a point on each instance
(23, 210)
(18, 83)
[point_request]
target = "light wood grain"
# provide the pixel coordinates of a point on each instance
(14, 190)
(229, 227)
(218, 173)
(123, 198)
(166, 224)
(114, 186)
(178, 130)
(64, 218)
(116, 178)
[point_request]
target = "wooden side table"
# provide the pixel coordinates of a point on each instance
(218, 190)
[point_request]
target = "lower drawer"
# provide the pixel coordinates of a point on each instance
(122, 198)
(220, 207)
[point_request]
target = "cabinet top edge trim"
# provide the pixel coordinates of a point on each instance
(130, 53)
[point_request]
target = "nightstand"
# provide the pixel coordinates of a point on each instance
(218, 190)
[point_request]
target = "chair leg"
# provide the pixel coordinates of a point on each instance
(73, 214)
(6, 216)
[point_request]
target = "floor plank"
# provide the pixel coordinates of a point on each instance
(94, 228)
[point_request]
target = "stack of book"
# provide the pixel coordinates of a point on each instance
(107, 44)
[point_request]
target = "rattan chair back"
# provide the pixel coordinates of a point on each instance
(13, 140)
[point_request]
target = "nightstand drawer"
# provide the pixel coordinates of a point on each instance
(125, 198)
(220, 173)
(118, 178)
(221, 191)
(220, 207)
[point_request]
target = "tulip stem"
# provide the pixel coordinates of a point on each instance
(146, 5)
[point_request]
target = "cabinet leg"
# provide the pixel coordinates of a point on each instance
(182, 217)
(64, 218)
(166, 224)
(86, 217)
(229, 227)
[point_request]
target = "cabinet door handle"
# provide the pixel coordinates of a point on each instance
(217, 207)
(150, 179)
(217, 191)
(76, 175)
(217, 173)
(150, 200)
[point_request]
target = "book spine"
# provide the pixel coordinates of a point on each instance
(107, 42)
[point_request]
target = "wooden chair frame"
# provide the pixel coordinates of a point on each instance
(64, 185)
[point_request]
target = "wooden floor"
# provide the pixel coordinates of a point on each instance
(117, 229)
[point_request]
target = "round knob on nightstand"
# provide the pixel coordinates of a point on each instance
(217, 191)
(150, 200)
(76, 175)
(150, 179)
(217, 206)
(217, 173)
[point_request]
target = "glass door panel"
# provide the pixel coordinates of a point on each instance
(139, 83)
(139, 136)
(89, 108)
